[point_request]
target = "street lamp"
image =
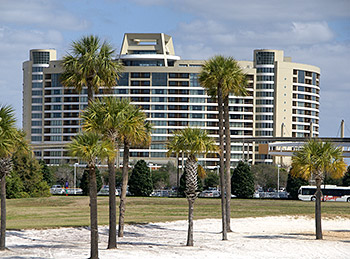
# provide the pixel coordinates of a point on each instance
(278, 178)
(75, 177)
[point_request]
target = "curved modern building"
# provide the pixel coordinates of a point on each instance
(283, 100)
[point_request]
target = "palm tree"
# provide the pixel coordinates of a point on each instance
(103, 116)
(191, 141)
(221, 76)
(9, 137)
(133, 130)
(91, 64)
(88, 146)
(314, 159)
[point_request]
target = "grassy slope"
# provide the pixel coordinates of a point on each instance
(74, 211)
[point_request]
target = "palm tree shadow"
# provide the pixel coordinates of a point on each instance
(300, 236)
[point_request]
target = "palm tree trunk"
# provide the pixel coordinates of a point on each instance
(93, 213)
(318, 208)
(3, 213)
(90, 93)
(191, 193)
(190, 221)
(124, 187)
(222, 164)
(112, 233)
(227, 162)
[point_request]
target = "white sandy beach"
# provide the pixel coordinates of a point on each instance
(268, 237)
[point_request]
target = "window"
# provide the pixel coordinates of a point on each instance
(301, 76)
(265, 78)
(36, 138)
(194, 80)
(158, 91)
(36, 123)
(159, 79)
(42, 57)
(265, 70)
(37, 108)
(37, 100)
(123, 79)
(37, 85)
(36, 115)
(196, 108)
(264, 94)
(197, 116)
(265, 86)
(265, 58)
(55, 82)
(264, 109)
(36, 131)
(37, 69)
(264, 102)
(158, 107)
(37, 92)
(37, 77)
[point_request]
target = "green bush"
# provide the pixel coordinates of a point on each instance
(293, 185)
(26, 178)
(346, 178)
(212, 180)
(242, 181)
(140, 183)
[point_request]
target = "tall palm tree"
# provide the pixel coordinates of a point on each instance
(103, 116)
(192, 141)
(91, 64)
(133, 130)
(88, 146)
(9, 137)
(221, 76)
(314, 159)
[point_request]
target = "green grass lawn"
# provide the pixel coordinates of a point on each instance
(62, 211)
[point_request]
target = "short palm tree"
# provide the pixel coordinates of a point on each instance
(133, 130)
(9, 137)
(89, 147)
(91, 64)
(191, 141)
(314, 159)
(222, 76)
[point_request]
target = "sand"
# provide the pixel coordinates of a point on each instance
(266, 237)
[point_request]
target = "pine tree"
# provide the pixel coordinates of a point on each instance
(346, 178)
(293, 185)
(140, 182)
(242, 181)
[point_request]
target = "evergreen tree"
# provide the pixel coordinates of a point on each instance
(26, 178)
(346, 178)
(48, 175)
(140, 183)
(84, 184)
(293, 185)
(242, 181)
(212, 180)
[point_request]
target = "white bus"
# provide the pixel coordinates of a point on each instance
(329, 193)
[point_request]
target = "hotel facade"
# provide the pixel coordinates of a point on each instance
(283, 100)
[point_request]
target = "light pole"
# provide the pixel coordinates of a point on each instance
(278, 178)
(75, 177)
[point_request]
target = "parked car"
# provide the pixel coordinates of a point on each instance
(105, 191)
(57, 189)
(161, 193)
(209, 194)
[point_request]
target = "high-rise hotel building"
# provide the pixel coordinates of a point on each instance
(283, 100)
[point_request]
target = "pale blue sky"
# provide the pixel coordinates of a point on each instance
(315, 32)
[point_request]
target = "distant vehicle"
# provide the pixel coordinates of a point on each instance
(161, 193)
(209, 194)
(58, 189)
(105, 191)
(329, 193)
